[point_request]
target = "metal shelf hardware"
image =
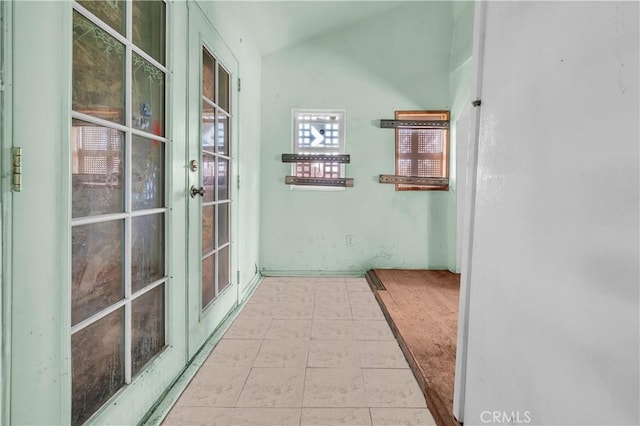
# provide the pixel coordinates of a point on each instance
(339, 182)
(295, 158)
(433, 124)
(414, 180)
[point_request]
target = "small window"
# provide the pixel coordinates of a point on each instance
(422, 152)
(318, 132)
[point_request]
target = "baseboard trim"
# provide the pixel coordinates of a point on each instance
(250, 288)
(311, 273)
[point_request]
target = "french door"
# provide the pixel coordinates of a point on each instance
(97, 303)
(212, 73)
(118, 201)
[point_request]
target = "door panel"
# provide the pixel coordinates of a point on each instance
(97, 253)
(40, 275)
(119, 271)
(212, 67)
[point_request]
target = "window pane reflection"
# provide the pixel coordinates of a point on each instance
(208, 175)
(223, 269)
(97, 364)
(110, 12)
(223, 179)
(147, 319)
(98, 71)
(208, 127)
(208, 230)
(149, 27)
(148, 173)
(208, 279)
(148, 97)
(147, 251)
(223, 224)
(223, 89)
(208, 76)
(96, 167)
(96, 259)
(223, 134)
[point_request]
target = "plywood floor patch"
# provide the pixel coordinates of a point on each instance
(421, 307)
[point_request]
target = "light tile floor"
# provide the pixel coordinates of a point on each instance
(305, 352)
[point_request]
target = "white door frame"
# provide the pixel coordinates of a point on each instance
(469, 211)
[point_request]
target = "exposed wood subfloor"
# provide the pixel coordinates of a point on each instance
(422, 309)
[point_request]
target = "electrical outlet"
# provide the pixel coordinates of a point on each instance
(351, 240)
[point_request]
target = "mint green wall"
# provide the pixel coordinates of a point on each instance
(399, 59)
(230, 27)
(460, 90)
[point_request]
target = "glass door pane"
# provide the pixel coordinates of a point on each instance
(214, 155)
(119, 240)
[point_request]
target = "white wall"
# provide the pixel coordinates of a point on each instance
(459, 91)
(554, 276)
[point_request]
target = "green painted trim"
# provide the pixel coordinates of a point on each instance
(5, 206)
(249, 288)
(157, 413)
(311, 273)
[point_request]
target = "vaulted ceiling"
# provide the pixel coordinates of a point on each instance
(278, 24)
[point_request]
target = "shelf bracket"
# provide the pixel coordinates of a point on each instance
(424, 124)
(321, 158)
(339, 182)
(414, 180)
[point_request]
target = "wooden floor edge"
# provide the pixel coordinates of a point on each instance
(439, 411)
(374, 281)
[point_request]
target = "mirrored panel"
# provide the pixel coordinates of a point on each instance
(147, 185)
(96, 165)
(97, 364)
(98, 71)
(147, 319)
(149, 27)
(224, 278)
(111, 12)
(97, 268)
(208, 230)
(147, 250)
(147, 107)
(223, 224)
(208, 279)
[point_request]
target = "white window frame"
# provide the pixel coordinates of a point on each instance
(297, 149)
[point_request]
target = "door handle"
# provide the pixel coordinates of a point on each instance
(197, 191)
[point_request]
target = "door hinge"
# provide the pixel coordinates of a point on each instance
(16, 181)
(238, 182)
(239, 84)
(238, 274)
